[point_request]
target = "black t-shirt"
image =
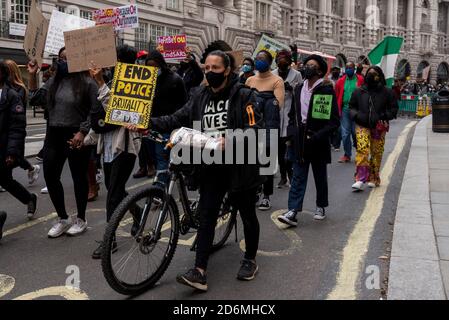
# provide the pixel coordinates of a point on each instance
(215, 118)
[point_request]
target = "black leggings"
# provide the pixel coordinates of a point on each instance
(12, 186)
(116, 174)
(56, 152)
(212, 191)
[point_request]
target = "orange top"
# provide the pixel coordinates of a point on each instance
(268, 82)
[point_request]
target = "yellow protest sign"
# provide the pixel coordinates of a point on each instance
(132, 95)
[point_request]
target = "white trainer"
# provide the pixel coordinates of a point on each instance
(34, 174)
(372, 185)
(60, 228)
(358, 186)
(44, 190)
(77, 228)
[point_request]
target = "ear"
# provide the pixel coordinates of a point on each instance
(227, 71)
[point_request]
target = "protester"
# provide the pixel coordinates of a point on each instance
(141, 57)
(271, 99)
(241, 180)
(69, 97)
(312, 121)
(335, 75)
(292, 78)
(344, 89)
(169, 97)
(359, 70)
(12, 140)
(190, 71)
(371, 107)
(247, 70)
(119, 147)
(17, 84)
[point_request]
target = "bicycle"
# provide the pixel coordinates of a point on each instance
(149, 224)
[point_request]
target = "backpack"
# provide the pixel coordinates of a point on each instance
(97, 120)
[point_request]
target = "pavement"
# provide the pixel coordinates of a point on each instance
(36, 127)
(343, 257)
(419, 267)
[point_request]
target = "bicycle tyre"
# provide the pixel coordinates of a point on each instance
(106, 260)
(217, 245)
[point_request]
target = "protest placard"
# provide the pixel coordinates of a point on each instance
(173, 47)
(95, 44)
(132, 95)
(120, 17)
(35, 35)
(271, 45)
(59, 23)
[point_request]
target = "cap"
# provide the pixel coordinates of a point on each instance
(141, 54)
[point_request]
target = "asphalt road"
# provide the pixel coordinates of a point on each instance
(310, 262)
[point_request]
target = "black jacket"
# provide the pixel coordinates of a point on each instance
(367, 107)
(12, 124)
(170, 94)
(311, 141)
(242, 114)
(193, 76)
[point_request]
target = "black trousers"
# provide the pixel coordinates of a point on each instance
(285, 166)
(25, 164)
(12, 186)
(116, 175)
(213, 188)
(268, 186)
(56, 152)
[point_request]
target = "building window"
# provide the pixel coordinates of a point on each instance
(141, 35)
(173, 4)
(285, 20)
(20, 10)
(86, 14)
(159, 31)
(263, 11)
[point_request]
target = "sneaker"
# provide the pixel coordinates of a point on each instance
(337, 149)
(193, 278)
(320, 214)
(372, 185)
(2, 190)
(283, 183)
(289, 218)
(39, 159)
(60, 228)
(33, 175)
(344, 159)
(99, 177)
(358, 186)
(248, 270)
(79, 227)
(265, 204)
(32, 206)
(3, 216)
(44, 190)
(99, 251)
(141, 173)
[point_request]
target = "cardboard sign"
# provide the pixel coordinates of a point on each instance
(271, 45)
(96, 44)
(35, 35)
(59, 23)
(120, 17)
(173, 47)
(322, 107)
(238, 57)
(132, 95)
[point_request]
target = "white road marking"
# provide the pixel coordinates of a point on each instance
(355, 251)
(65, 292)
(7, 283)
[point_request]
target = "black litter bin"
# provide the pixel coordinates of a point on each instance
(440, 111)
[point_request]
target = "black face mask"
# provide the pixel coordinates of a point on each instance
(214, 79)
(184, 65)
(336, 75)
(372, 81)
(284, 68)
(62, 68)
(310, 73)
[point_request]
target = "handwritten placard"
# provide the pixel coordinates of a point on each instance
(35, 35)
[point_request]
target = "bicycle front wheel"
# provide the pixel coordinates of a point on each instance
(225, 223)
(134, 259)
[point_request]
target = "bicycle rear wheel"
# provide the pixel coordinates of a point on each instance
(133, 259)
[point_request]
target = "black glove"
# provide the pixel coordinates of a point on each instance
(288, 87)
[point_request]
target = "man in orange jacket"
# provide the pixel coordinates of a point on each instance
(343, 89)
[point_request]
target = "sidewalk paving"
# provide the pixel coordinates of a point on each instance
(419, 267)
(33, 148)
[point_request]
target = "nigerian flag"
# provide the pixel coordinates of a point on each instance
(385, 56)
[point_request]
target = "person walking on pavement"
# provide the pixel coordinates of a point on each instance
(12, 141)
(371, 107)
(271, 96)
(118, 147)
(17, 84)
(292, 78)
(247, 70)
(344, 89)
(70, 98)
(312, 121)
(190, 72)
(242, 181)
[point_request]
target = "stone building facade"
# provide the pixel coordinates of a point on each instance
(347, 29)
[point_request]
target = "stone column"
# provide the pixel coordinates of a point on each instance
(348, 20)
(410, 23)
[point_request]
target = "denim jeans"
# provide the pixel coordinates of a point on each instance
(161, 159)
(299, 185)
(347, 131)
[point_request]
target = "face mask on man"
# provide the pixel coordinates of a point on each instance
(310, 72)
(284, 67)
(214, 79)
(247, 68)
(262, 66)
(350, 72)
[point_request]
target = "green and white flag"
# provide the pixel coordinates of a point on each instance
(385, 55)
